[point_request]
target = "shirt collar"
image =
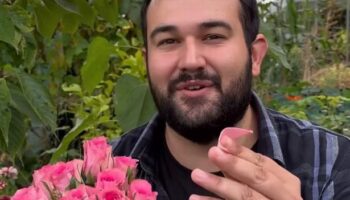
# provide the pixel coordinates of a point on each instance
(149, 143)
(268, 142)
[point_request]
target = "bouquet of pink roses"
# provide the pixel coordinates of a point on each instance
(98, 177)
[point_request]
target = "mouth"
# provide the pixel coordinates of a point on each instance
(194, 85)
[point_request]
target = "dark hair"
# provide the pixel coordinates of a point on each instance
(249, 18)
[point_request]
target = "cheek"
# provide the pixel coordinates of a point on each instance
(229, 64)
(160, 68)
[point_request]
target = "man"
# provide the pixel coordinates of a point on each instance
(201, 56)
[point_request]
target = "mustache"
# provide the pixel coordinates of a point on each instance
(197, 75)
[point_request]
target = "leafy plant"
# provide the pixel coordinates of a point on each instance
(60, 65)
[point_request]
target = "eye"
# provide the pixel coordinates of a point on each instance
(214, 37)
(168, 41)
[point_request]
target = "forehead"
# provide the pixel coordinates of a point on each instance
(182, 13)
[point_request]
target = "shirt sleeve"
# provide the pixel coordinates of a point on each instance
(338, 187)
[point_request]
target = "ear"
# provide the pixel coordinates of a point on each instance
(144, 55)
(259, 49)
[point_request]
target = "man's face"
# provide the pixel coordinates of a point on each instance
(198, 65)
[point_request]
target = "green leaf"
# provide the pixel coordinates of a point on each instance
(54, 7)
(21, 18)
(133, 102)
(76, 11)
(134, 12)
(36, 95)
(292, 17)
(17, 131)
(17, 134)
(96, 63)
(131, 8)
(46, 20)
(80, 9)
(5, 112)
(280, 54)
(88, 15)
(107, 9)
(125, 6)
(29, 55)
(20, 103)
(70, 23)
(73, 88)
(7, 30)
(68, 5)
(72, 134)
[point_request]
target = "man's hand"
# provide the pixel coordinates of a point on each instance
(247, 175)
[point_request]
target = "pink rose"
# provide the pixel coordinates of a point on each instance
(141, 190)
(56, 177)
(29, 193)
(124, 163)
(97, 156)
(77, 165)
(41, 179)
(111, 178)
(9, 172)
(112, 194)
(82, 192)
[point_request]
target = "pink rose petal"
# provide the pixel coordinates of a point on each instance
(233, 133)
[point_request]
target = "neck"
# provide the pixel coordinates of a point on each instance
(192, 155)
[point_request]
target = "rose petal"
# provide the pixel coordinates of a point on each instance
(234, 134)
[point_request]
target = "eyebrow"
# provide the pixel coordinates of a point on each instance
(163, 29)
(215, 24)
(204, 25)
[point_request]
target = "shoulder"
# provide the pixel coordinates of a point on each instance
(313, 151)
(302, 128)
(124, 144)
(135, 142)
(302, 136)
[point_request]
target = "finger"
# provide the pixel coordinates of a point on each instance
(197, 197)
(257, 177)
(260, 160)
(231, 146)
(223, 187)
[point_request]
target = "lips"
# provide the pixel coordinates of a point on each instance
(194, 85)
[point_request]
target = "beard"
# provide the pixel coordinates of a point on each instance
(204, 118)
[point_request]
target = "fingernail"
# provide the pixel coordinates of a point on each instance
(194, 197)
(199, 175)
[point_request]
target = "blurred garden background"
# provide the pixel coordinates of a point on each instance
(73, 69)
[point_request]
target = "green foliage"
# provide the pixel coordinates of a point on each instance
(328, 107)
(60, 62)
(310, 35)
(330, 111)
(306, 61)
(38, 99)
(5, 111)
(96, 64)
(108, 9)
(7, 32)
(132, 98)
(18, 128)
(46, 18)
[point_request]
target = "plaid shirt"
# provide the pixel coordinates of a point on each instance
(319, 157)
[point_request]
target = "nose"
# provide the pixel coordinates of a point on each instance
(191, 57)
